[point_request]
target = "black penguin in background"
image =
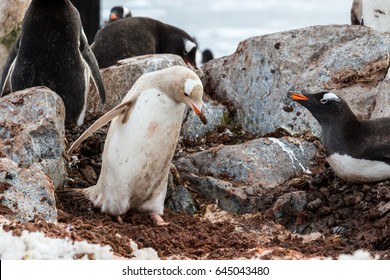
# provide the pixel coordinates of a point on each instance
(207, 55)
(357, 150)
(136, 36)
(52, 51)
(119, 12)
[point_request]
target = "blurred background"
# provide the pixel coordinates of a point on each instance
(221, 24)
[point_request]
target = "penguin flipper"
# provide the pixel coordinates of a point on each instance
(380, 153)
(93, 66)
(103, 120)
(9, 66)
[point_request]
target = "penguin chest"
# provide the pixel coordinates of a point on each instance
(138, 153)
(358, 170)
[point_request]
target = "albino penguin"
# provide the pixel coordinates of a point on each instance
(141, 142)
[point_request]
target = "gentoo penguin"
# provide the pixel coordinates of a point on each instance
(141, 141)
(119, 12)
(53, 51)
(357, 150)
(135, 36)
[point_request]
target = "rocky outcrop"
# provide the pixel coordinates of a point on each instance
(11, 16)
(351, 61)
(32, 131)
(236, 176)
(32, 144)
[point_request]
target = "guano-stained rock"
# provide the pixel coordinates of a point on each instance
(236, 176)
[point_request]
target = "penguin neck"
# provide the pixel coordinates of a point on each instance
(337, 132)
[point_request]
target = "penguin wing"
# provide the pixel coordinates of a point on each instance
(92, 64)
(103, 120)
(9, 66)
(379, 152)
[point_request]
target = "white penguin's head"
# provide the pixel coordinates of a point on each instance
(184, 86)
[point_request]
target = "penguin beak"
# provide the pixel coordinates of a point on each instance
(199, 113)
(113, 16)
(297, 96)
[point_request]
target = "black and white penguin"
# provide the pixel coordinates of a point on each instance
(141, 142)
(357, 150)
(136, 36)
(119, 12)
(53, 51)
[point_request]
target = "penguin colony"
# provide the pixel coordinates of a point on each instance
(52, 51)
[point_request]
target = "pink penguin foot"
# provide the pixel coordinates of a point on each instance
(158, 220)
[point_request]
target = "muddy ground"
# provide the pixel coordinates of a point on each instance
(338, 218)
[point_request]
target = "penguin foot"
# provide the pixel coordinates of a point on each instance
(158, 220)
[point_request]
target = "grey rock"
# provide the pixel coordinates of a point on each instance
(351, 61)
(290, 204)
(26, 192)
(180, 200)
(32, 131)
(237, 176)
(216, 115)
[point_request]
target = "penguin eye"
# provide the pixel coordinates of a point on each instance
(324, 101)
(186, 94)
(185, 52)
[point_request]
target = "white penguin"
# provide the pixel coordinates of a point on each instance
(141, 142)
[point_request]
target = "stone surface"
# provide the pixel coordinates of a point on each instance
(289, 204)
(26, 192)
(216, 115)
(236, 176)
(351, 61)
(11, 16)
(179, 200)
(32, 131)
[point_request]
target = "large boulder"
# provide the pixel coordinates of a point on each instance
(237, 176)
(11, 16)
(32, 131)
(351, 61)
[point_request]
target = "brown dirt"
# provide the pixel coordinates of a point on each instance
(339, 217)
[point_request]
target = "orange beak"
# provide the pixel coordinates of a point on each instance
(200, 114)
(297, 96)
(113, 16)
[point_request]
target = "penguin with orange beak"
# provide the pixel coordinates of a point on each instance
(357, 150)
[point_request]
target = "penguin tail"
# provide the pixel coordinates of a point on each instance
(74, 196)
